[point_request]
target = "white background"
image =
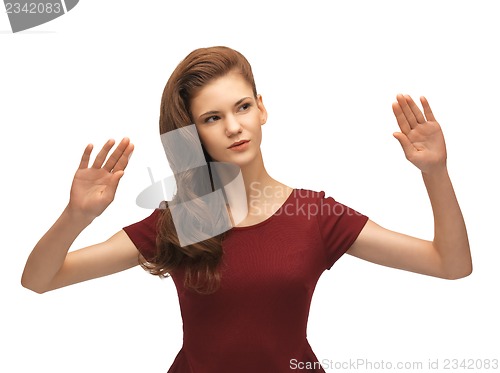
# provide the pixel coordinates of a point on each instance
(328, 73)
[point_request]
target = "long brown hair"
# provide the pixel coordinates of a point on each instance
(200, 262)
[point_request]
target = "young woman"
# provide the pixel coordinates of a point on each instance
(245, 293)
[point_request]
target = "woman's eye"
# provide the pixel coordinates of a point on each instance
(245, 106)
(211, 119)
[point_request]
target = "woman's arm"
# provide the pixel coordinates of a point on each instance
(92, 191)
(448, 255)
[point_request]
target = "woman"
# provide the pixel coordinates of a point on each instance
(245, 292)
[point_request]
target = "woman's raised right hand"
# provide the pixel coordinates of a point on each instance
(94, 187)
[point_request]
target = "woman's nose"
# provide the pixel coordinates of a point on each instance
(233, 126)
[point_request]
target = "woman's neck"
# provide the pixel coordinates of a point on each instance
(256, 178)
(264, 194)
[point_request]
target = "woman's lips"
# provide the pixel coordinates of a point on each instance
(244, 145)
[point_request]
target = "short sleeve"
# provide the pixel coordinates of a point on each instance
(143, 235)
(339, 225)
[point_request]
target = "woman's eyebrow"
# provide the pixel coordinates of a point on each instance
(213, 112)
(240, 101)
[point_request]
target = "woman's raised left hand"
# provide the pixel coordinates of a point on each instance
(421, 136)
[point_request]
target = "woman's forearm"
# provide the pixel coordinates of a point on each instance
(450, 233)
(48, 255)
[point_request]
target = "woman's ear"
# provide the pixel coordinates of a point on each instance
(262, 109)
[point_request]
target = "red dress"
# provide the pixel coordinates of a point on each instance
(257, 320)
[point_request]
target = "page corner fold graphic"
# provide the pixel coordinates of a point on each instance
(26, 14)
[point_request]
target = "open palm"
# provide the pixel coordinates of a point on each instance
(94, 188)
(421, 136)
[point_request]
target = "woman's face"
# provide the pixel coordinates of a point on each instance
(225, 111)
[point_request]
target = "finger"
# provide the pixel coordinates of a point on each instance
(99, 160)
(124, 159)
(401, 118)
(116, 155)
(415, 110)
(410, 117)
(427, 109)
(84, 163)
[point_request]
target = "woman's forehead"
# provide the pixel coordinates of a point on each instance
(226, 90)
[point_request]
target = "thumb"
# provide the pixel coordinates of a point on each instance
(118, 174)
(405, 142)
(116, 177)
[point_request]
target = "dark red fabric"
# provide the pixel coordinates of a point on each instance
(257, 320)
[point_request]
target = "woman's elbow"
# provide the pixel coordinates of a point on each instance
(458, 274)
(32, 285)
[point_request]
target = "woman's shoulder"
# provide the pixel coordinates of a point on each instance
(147, 225)
(324, 203)
(309, 194)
